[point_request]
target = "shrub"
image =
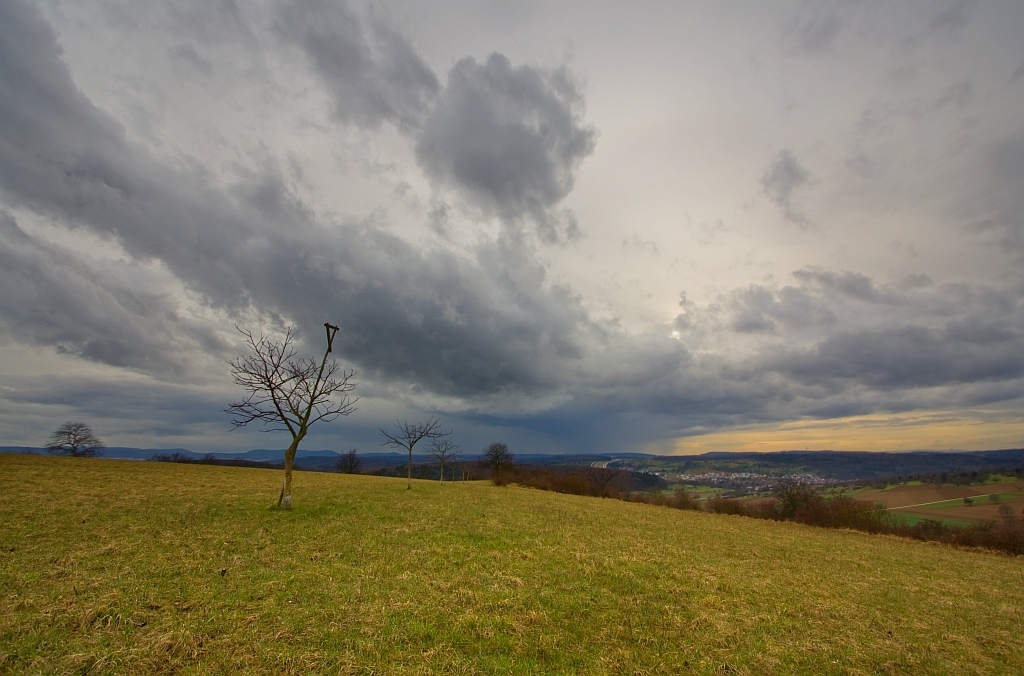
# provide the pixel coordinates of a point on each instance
(721, 505)
(683, 500)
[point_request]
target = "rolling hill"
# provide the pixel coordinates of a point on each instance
(127, 567)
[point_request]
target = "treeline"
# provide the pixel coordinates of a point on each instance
(956, 477)
(802, 504)
(592, 481)
(428, 472)
(210, 459)
(600, 482)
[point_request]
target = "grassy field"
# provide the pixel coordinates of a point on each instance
(130, 567)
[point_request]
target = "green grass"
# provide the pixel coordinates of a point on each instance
(121, 567)
(912, 519)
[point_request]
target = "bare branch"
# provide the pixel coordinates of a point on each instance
(407, 435)
(445, 451)
(75, 439)
(285, 393)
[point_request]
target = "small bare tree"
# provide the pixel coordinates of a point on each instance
(444, 451)
(349, 463)
(407, 435)
(602, 478)
(1006, 512)
(286, 393)
(75, 439)
(498, 459)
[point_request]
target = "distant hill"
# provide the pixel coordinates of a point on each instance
(837, 465)
(307, 460)
(325, 460)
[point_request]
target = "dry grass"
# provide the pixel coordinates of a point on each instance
(120, 567)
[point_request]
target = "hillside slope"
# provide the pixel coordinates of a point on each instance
(128, 567)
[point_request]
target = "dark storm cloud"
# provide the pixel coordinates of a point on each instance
(912, 337)
(488, 326)
(835, 344)
(373, 73)
(780, 180)
(911, 356)
(153, 407)
(510, 138)
(759, 309)
(454, 325)
(54, 297)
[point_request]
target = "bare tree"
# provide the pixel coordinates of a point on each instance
(602, 478)
(349, 463)
(289, 394)
(1006, 512)
(408, 435)
(498, 459)
(75, 439)
(444, 450)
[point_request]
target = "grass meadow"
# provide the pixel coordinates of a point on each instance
(134, 567)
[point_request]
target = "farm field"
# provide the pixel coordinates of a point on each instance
(928, 501)
(132, 567)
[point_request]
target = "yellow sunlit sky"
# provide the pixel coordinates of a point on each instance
(937, 431)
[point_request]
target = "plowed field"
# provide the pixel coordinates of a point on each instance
(903, 496)
(936, 502)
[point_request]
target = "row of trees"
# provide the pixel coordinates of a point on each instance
(497, 460)
(285, 393)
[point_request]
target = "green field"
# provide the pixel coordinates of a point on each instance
(911, 519)
(130, 567)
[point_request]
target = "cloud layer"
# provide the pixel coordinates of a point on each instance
(139, 260)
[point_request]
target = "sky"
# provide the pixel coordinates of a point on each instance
(573, 227)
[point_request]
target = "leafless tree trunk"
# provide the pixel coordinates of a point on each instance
(444, 450)
(408, 435)
(289, 394)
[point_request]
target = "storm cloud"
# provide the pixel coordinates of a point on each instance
(374, 75)
(135, 251)
(510, 139)
(458, 326)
